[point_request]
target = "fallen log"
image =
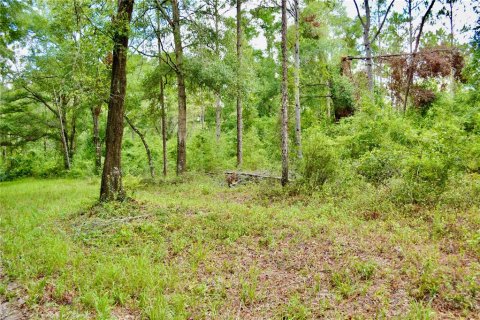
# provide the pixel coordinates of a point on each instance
(235, 177)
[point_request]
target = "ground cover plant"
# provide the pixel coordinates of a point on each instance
(238, 159)
(194, 248)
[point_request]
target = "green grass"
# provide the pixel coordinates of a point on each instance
(195, 248)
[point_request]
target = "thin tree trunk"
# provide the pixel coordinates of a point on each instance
(112, 187)
(298, 123)
(218, 116)
(410, 26)
(410, 41)
(239, 86)
(451, 23)
(379, 65)
(96, 138)
(163, 116)
(164, 127)
(202, 116)
(415, 50)
(218, 101)
(182, 96)
(284, 110)
(73, 132)
(367, 40)
(145, 144)
(328, 99)
(452, 76)
(368, 46)
(64, 139)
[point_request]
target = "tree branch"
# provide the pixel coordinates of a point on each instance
(358, 13)
(383, 21)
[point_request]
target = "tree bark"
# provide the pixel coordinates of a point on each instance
(328, 99)
(298, 122)
(96, 138)
(164, 127)
(284, 109)
(163, 116)
(182, 96)
(111, 186)
(72, 136)
(218, 116)
(63, 133)
(452, 38)
(368, 45)
(145, 145)
(239, 86)
(410, 26)
(451, 23)
(218, 101)
(367, 40)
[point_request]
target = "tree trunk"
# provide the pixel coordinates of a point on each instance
(284, 110)
(164, 127)
(163, 115)
(218, 101)
(379, 65)
(218, 116)
(96, 138)
(73, 132)
(328, 99)
(451, 23)
(182, 96)
(239, 86)
(298, 125)
(145, 144)
(410, 26)
(111, 187)
(415, 50)
(63, 136)
(452, 75)
(368, 46)
(367, 40)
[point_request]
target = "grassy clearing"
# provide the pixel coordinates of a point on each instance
(196, 249)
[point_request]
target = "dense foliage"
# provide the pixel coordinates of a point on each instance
(57, 84)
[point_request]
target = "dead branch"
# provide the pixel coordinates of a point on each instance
(402, 54)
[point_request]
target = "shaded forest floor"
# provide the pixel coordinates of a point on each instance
(196, 249)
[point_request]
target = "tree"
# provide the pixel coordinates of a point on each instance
(13, 26)
(216, 5)
(415, 50)
(182, 96)
(368, 40)
(111, 186)
(298, 125)
(239, 86)
(161, 96)
(178, 67)
(284, 109)
(145, 145)
(164, 124)
(96, 137)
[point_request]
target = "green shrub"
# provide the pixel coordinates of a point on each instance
(320, 160)
(255, 153)
(379, 165)
(204, 153)
(423, 178)
(342, 96)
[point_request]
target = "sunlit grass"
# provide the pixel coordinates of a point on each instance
(194, 248)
